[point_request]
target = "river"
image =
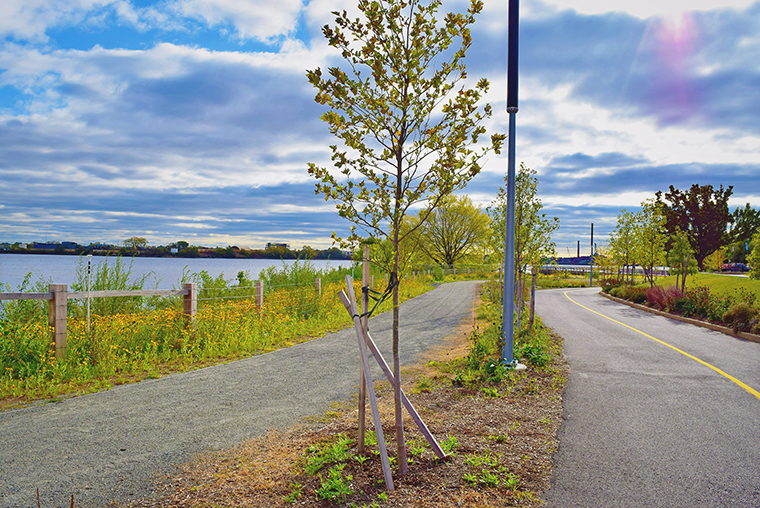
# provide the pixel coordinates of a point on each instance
(165, 273)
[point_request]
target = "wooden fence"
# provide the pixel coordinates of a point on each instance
(58, 296)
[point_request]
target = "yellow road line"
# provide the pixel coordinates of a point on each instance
(746, 387)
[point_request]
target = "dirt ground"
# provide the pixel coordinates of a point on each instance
(503, 438)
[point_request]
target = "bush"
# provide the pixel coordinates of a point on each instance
(741, 317)
(609, 284)
(635, 294)
(695, 302)
(663, 298)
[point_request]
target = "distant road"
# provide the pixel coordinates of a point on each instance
(109, 446)
(645, 425)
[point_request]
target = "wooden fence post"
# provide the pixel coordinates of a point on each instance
(190, 305)
(259, 294)
(57, 318)
(533, 299)
(318, 286)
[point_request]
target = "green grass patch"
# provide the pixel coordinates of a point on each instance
(723, 285)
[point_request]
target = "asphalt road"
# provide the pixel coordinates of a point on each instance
(645, 425)
(109, 446)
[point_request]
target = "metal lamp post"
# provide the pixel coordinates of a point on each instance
(509, 247)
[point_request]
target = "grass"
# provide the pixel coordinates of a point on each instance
(147, 338)
(724, 285)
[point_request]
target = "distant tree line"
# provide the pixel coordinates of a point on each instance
(137, 246)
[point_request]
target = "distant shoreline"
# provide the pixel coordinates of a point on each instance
(334, 255)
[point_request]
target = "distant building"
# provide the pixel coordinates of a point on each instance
(270, 245)
(45, 246)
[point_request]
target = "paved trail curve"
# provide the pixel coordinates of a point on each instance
(644, 424)
(108, 446)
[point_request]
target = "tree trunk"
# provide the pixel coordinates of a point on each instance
(401, 454)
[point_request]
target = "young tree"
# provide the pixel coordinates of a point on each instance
(452, 230)
(406, 121)
(651, 237)
(681, 257)
(623, 241)
(754, 257)
(702, 213)
(533, 229)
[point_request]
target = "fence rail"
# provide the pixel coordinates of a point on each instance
(58, 296)
(58, 309)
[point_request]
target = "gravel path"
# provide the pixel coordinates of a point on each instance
(109, 446)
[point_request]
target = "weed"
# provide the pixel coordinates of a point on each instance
(449, 445)
(295, 493)
(490, 392)
(330, 453)
(370, 438)
(478, 460)
(335, 487)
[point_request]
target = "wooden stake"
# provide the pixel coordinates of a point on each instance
(370, 387)
(389, 375)
(362, 381)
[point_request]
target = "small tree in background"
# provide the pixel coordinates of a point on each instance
(406, 122)
(650, 238)
(754, 257)
(681, 257)
(533, 229)
(623, 241)
(452, 230)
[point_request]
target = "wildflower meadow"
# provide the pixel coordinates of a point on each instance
(132, 338)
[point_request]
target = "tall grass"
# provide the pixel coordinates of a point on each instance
(141, 338)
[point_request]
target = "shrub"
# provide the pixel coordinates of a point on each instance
(695, 302)
(610, 283)
(663, 298)
(741, 317)
(635, 294)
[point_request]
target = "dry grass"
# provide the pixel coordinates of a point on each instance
(515, 432)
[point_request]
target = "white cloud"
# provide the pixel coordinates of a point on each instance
(29, 19)
(256, 19)
(647, 8)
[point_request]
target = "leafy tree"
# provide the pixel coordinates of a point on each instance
(715, 260)
(650, 238)
(681, 258)
(623, 240)
(135, 242)
(701, 212)
(533, 229)
(452, 230)
(754, 257)
(406, 122)
(746, 223)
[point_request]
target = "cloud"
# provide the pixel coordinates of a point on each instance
(647, 8)
(257, 19)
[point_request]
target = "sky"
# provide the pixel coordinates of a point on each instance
(193, 119)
